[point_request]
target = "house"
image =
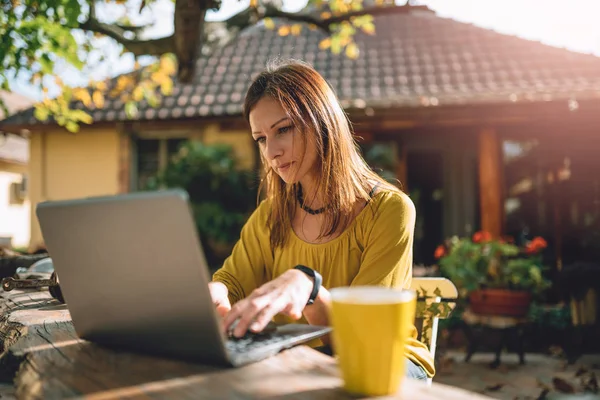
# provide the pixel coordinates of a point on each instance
(489, 131)
(14, 203)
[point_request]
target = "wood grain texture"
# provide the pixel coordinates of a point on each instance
(49, 361)
(491, 182)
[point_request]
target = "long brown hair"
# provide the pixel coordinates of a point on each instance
(342, 174)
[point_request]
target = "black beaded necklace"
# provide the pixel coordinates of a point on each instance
(300, 198)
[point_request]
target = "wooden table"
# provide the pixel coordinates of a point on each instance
(48, 361)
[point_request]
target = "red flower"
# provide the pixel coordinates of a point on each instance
(482, 237)
(440, 252)
(536, 245)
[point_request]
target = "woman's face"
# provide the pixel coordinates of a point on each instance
(280, 142)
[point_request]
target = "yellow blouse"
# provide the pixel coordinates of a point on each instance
(376, 249)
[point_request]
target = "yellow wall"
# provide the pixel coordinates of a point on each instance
(67, 166)
(15, 215)
(241, 142)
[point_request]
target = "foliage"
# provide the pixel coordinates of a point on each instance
(45, 39)
(40, 38)
(222, 195)
(427, 308)
(554, 317)
(380, 157)
(481, 262)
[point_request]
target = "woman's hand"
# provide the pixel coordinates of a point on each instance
(218, 293)
(287, 294)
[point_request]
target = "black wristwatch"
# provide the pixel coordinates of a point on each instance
(317, 282)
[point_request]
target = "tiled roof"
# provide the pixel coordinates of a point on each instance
(415, 59)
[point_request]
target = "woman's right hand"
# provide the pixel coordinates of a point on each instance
(219, 295)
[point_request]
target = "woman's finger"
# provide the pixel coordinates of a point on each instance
(248, 311)
(293, 310)
(267, 313)
(223, 309)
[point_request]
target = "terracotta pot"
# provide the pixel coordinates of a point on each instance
(500, 302)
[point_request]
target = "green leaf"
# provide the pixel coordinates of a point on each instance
(81, 116)
(336, 45)
(72, 126)
(46, 64)
(131, 109)
(41, 112)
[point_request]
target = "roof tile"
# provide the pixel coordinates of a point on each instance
(415, 59)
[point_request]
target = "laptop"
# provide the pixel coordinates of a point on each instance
(134, 277)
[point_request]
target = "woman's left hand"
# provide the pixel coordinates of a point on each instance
(287, 294)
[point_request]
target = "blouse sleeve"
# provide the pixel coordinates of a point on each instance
(387, 255)
(245, 269)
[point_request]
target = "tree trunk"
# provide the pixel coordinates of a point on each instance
(189, 25)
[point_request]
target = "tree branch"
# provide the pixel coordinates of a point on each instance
(382, 10)
(272, 12)
(218, 34)
(325, 24)
(151, 47)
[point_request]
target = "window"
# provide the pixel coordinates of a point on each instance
(153, 155)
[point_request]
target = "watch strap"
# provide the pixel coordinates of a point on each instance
(318, 280)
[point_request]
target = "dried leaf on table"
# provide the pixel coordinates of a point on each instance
(562, 385)
(494, 388)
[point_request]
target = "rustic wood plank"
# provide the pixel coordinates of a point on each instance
(53, 363)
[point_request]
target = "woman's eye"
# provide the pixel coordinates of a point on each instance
(284, 129)
(260, 140)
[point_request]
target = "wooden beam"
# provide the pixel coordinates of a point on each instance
(124, 154)
(490, 182)
(402, 166)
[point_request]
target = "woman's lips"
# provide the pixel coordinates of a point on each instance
(284, 167)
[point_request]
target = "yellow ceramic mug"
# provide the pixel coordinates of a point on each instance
(370, 328)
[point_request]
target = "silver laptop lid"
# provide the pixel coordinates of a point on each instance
(133, 273)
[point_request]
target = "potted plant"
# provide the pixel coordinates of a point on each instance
(497, 277)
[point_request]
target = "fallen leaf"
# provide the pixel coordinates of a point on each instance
(446, 362)
(503, 368)
(543, 395)
(592, 384)
(556, 351)
(562, 385)
(543, 385)
(494, 388)
(563, 365)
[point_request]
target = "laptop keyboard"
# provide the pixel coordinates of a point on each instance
(251, 341)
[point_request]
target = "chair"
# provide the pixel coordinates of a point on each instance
(436, 298)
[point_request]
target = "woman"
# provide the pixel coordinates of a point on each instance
(325, 209)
